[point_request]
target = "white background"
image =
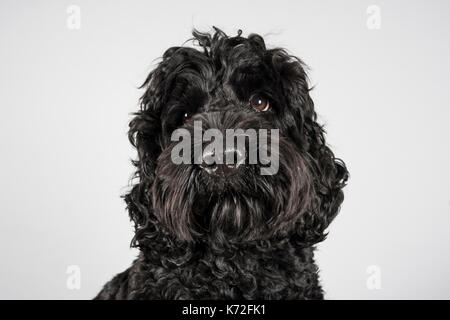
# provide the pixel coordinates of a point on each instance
(66, 96)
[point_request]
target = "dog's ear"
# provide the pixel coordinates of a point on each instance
(328, 172)
(145, 134)
(329, 178)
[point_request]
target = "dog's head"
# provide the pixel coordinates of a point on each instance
(263, 95)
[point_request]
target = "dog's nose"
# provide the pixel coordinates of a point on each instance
(224, 164)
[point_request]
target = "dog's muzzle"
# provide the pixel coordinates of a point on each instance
(231, 156)
(206, 198)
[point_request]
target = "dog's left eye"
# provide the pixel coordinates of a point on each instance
(186, 117)
(259, 103)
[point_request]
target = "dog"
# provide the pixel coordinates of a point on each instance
(210, 230)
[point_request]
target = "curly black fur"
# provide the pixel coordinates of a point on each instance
(249, 237)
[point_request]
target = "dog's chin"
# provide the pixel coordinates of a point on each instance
(234, 208)
(196, 206)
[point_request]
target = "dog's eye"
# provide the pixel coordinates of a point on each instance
(186, 117)
(259, 103)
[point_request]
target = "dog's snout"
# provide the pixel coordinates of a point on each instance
(222, 164)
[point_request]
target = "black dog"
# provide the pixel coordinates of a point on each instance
(231, 233)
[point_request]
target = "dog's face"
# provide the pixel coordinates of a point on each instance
(233, 83)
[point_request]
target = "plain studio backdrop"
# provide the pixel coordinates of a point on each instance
(68, 83)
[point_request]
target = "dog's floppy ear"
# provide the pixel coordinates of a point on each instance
(329, 173)
(145, 134)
